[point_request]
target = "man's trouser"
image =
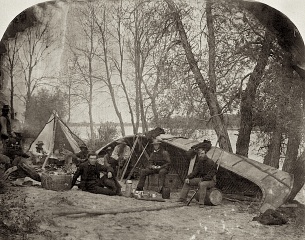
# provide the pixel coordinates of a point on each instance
(101, 186)
(146, 172)
(203, 186)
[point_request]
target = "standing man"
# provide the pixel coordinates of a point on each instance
(89, 172)
(120, 155)
(159, 162)
(5, 129)
(203, 174)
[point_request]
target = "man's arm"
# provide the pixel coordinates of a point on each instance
(127, 152)
(103, 168)
(196, 169)
(211, 171)
(167, 159)
(115, 153)
(78, 173)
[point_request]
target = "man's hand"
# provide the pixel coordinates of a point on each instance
(187, 181)
(109, 174)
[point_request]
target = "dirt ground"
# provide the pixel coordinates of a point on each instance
(31, 212)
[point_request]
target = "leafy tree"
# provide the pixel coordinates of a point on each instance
(43, 103)
(36, 46)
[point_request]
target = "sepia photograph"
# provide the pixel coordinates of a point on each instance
(152, 120)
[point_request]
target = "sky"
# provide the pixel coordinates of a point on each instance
(293, 9)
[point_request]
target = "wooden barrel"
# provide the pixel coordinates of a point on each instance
(212, 197)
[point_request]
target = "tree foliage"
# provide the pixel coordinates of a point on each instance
(43, 103)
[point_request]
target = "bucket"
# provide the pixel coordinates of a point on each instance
(128, 189)
(166, 192)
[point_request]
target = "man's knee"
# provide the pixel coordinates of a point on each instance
(206, 184)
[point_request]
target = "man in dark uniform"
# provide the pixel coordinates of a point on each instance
(203, 174)
(7, 136)
(159, 162)
(89, 172)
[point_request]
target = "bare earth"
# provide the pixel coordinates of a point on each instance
(31, 212)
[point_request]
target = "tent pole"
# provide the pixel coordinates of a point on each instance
(132, 170)
(127, 163)
(52, 142)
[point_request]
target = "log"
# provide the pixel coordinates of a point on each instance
(213, 197)
(80, 213)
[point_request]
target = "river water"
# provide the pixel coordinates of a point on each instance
(255, 151)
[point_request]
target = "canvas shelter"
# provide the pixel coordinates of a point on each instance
(55, 132)
(237, 175)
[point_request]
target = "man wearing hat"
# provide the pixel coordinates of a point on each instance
(39, 148)
(81, 156)
(203, 174)
(107, 156)
(120, 155)
(159, 162)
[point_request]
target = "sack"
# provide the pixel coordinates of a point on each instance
(271, 217)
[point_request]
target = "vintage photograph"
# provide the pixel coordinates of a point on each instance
(152, 119)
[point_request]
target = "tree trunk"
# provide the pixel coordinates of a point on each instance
(295, 123)
(248, 98)
(272, 157)
(294, 134)
(12, 95)
(208, 92)
(298, 170)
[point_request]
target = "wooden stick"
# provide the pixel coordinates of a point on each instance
(127, 163)
(132, 170)
(77, 213)
(152, 199)
(189, 201)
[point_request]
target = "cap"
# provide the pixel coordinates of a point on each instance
(206, 145)
(121, 140)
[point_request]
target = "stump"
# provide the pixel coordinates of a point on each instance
(213, 197)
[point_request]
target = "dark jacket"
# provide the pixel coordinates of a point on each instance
(204, 168)
(160, 158)
(89, 172)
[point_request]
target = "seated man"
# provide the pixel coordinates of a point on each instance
(81, 156)
(159, 162)
(24, 168)
(39, 148)
(107, 156)
(39, 154)
(120, 154)
(203, 174)
(89, 172)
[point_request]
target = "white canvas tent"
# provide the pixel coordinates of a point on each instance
(54, 132)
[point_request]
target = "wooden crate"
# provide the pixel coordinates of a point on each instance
(153, 182)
